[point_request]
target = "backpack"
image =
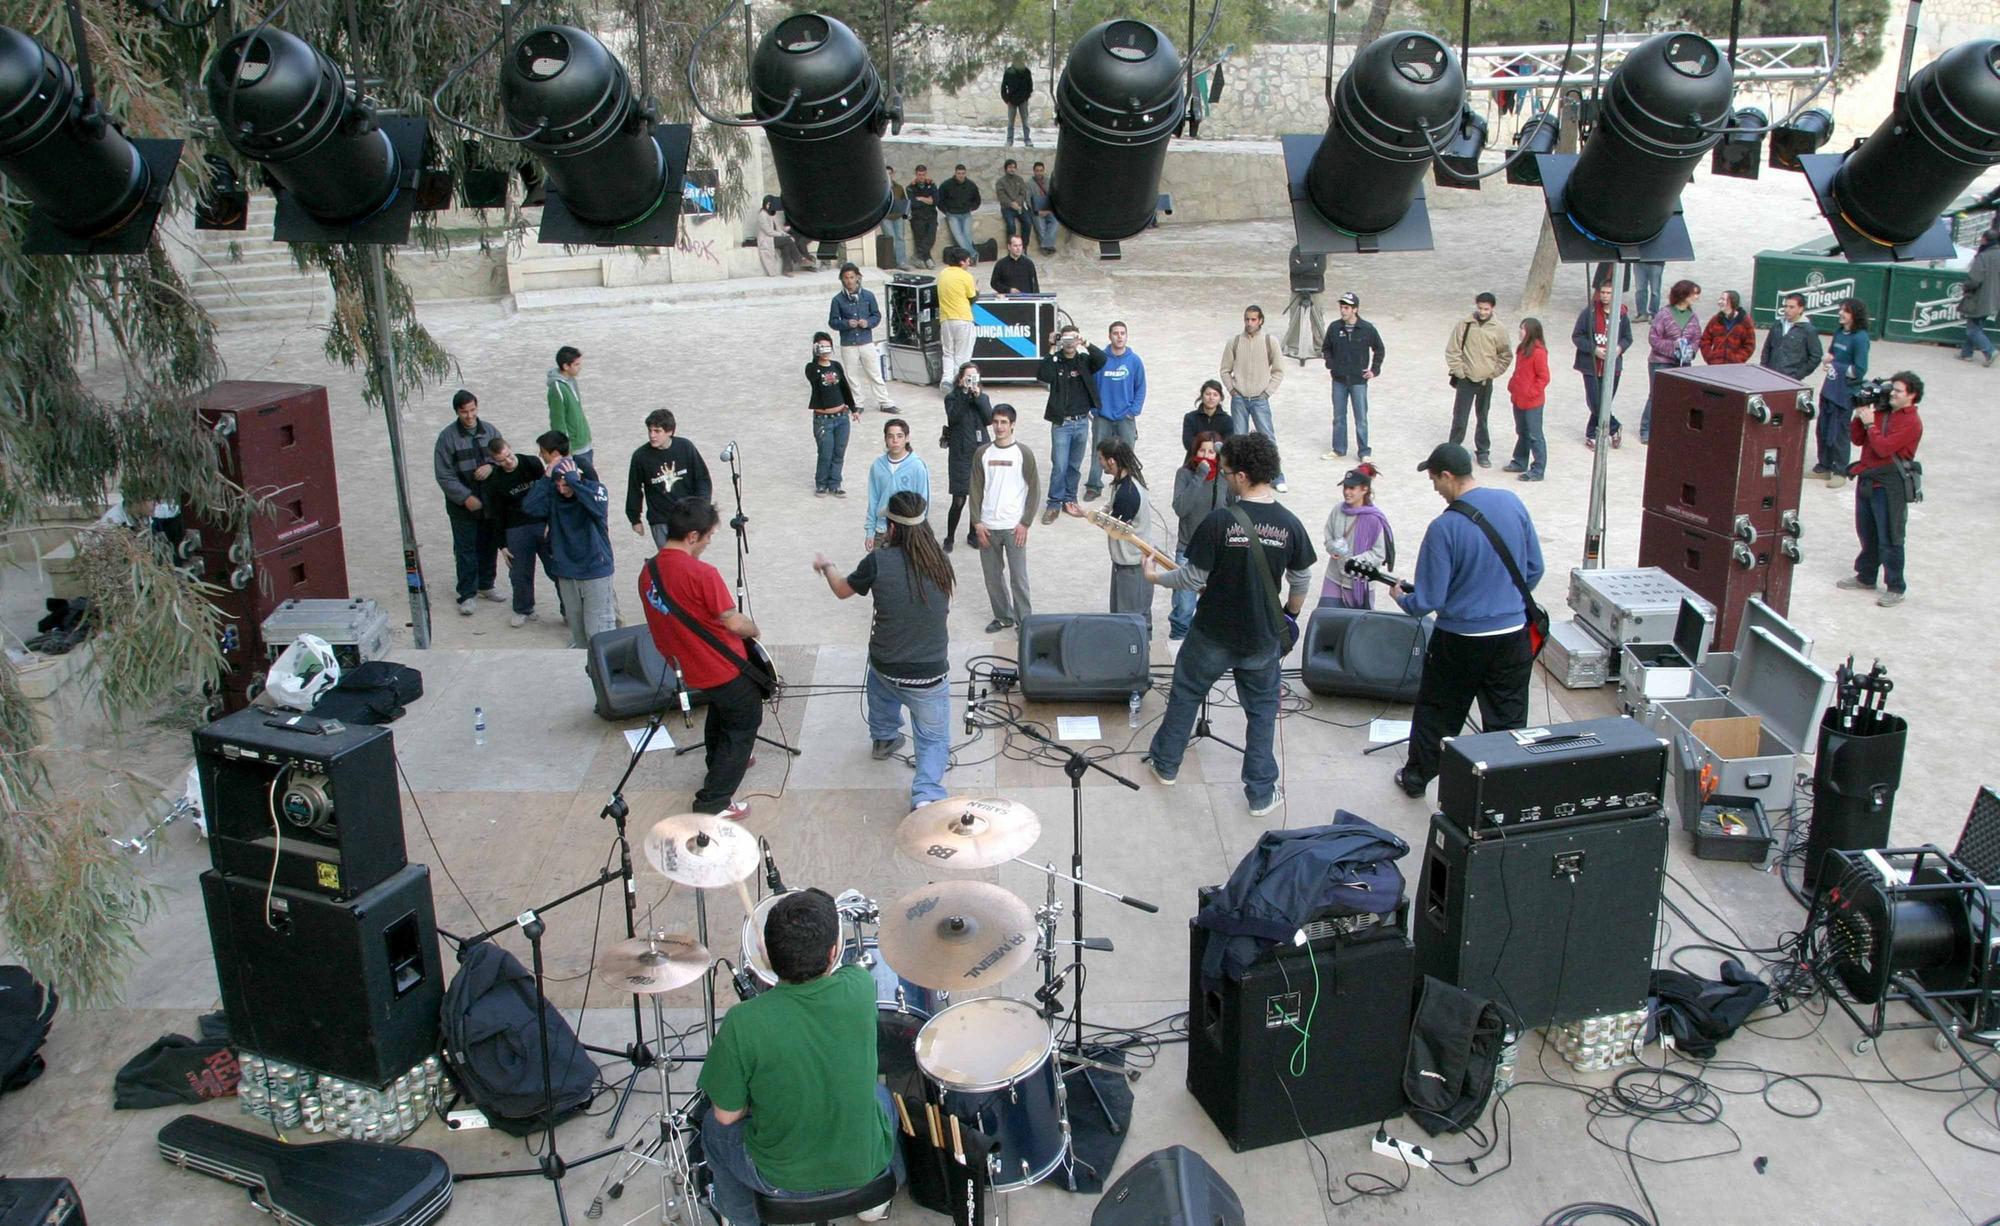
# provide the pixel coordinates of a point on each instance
(493, 1045)
(27, 1010)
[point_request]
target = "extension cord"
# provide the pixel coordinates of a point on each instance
(1390, 1147)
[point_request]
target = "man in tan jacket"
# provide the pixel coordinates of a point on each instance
(1476, 355)
(1252, 369)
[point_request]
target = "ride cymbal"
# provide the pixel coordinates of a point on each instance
(952, 935)
(968, 832)
(701, 850)
(652, 964)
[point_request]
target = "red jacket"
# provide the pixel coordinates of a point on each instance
(1723, 344)
(1528, 386)
(1893, 436)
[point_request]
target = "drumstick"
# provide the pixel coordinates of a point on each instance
(743, 892)
(957, 1143)
(937, 1134)
(909, 1130)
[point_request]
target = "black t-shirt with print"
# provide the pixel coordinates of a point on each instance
(1236, 609)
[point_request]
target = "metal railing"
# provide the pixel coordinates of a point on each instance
(1536, 66)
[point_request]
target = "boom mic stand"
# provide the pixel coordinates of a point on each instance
(739, 523)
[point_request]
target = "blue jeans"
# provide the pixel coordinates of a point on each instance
(899, 238)
(930, 727)
(1646, 278)
(1021, 109)
(1976, 340)
(1871, 524)
(1354, 395)
(1591, 386)
(738, 1182)
(961, 229)
(1836, 446)
(475, 552)
(1068, 440)
(1201, 662)
(1531, 449)
(1181, 613)
(830, 432)
(1045, 230)
(1102, 428)
(527, 545)
(1259, 409)
(1015, 221)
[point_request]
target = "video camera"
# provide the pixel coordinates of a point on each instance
(1870, 393)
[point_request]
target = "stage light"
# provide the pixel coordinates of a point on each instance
(613, 171)
(1121, 95)
(341, 171)
(1663, 108)
(1537, 136)
(1804, 134)
(1458, 164)
(1886, 197)
(1736, 154)
(481, 185)
(816, 92)
(93, 190)
(224, 203)
(1360, 187)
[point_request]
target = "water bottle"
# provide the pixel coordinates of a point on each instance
(1503, 1073)
(478, 725)
(1132, 710)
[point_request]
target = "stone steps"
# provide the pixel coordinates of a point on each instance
(262, 283)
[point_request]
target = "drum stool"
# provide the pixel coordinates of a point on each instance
(822, 1209)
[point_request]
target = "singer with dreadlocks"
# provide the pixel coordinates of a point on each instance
(910, 579)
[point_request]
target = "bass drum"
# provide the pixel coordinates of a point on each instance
(993, 1062)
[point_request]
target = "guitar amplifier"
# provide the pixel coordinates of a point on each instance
(325, 806)
(1564, 774)
(39, 1202)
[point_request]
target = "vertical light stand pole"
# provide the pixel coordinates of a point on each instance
(385, 378)
(1593, 523)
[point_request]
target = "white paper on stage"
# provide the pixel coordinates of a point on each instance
(1077, 728)
(1385, 731)
(660, 739)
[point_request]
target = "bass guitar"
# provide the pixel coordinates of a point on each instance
(1114, 526)
(331, 1183)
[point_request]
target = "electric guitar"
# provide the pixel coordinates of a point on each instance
(1375, 574)
(1114, 526)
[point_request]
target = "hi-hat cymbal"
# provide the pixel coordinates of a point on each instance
(968, 832)
(701, 850)
(953, 935)
(652, 964)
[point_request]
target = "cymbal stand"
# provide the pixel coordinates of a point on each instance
(666, 1149)
(639, 1055)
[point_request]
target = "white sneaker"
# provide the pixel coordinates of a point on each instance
(518, 620)
(1281, 487)
(877, 1214)
(492, 593)
(1277, 798)
(465, 608)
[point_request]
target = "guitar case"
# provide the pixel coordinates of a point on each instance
(331, 1183)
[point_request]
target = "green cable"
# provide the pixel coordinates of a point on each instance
(1297, 1064)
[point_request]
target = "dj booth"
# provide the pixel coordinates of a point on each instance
(1009, 335)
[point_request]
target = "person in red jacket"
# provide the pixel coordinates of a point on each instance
(1731, 336)
(1528, 388)
(1885, 478)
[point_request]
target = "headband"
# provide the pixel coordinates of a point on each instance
(906, 520)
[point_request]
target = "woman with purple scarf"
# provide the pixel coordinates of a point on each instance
(1356, 528)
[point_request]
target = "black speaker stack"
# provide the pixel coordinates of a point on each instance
(324, 935)
(1542, 870)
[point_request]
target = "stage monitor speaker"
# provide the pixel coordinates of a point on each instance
(1351, 994)
(628, 674)
(1854, 788)
(324, 805)
(347, 988)
(1365, 653)
(1169, 1187)
(1084, 657)
(1552, 925)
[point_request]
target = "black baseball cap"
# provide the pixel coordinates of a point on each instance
(1448, 458)
(1350, 299)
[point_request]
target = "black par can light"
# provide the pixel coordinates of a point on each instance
(1738, 154)
(613, 173)
(1806, 132)
(1458, 162)
(1537, 136)
(93, 190)
(820, 100)
(1663, 108)
(1121, 95)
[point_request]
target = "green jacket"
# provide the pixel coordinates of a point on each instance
(566, 411)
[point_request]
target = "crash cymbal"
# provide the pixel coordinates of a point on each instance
(968, 832)
(701, 849)
(953, 935)
(652, 964)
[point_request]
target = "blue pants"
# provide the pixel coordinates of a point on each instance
(1180, 614)
(1068, 440)
(1653, 370)
(1201, 662)
(1646, 278)
(930, 728)
(1531, 449)
(1976, 340)
(1355, 396)
(475, 552)
(961, 229)
(1836, 447)
(1021, 109)
(1102, 428)
(1045, 230)
(899, 238)
(527, 546)
(738, 1182)
(1016, 222)
(830, 432)
(1871, 524)
(1591, 386)
(1259, 409)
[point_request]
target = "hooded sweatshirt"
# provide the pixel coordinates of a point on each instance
(886, 479)
(566, 410)
(579, 532)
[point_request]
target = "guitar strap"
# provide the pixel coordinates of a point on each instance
(759, 677)
(1536, 615)
(1262, 565)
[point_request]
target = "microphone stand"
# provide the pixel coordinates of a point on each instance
(739, 523)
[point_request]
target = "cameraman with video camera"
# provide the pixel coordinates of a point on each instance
(1887, 479)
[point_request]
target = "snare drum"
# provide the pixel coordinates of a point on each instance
(993, 1062)
(756, 974)
(901, 1009)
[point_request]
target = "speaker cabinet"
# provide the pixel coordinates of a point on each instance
(1364, 653)
(1723, 570)
(1552, 925)
(347, 988)
(1083, 657)
(1169, 1187)
(325, 806)
(1244, 1037)
(1854, 788)
(1728, 449)
(278, 445)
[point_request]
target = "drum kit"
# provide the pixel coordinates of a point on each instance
(994, 1061)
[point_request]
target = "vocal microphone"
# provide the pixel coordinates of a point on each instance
(771, 877)
(681, 692)
(968, 702)
(729, 452)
